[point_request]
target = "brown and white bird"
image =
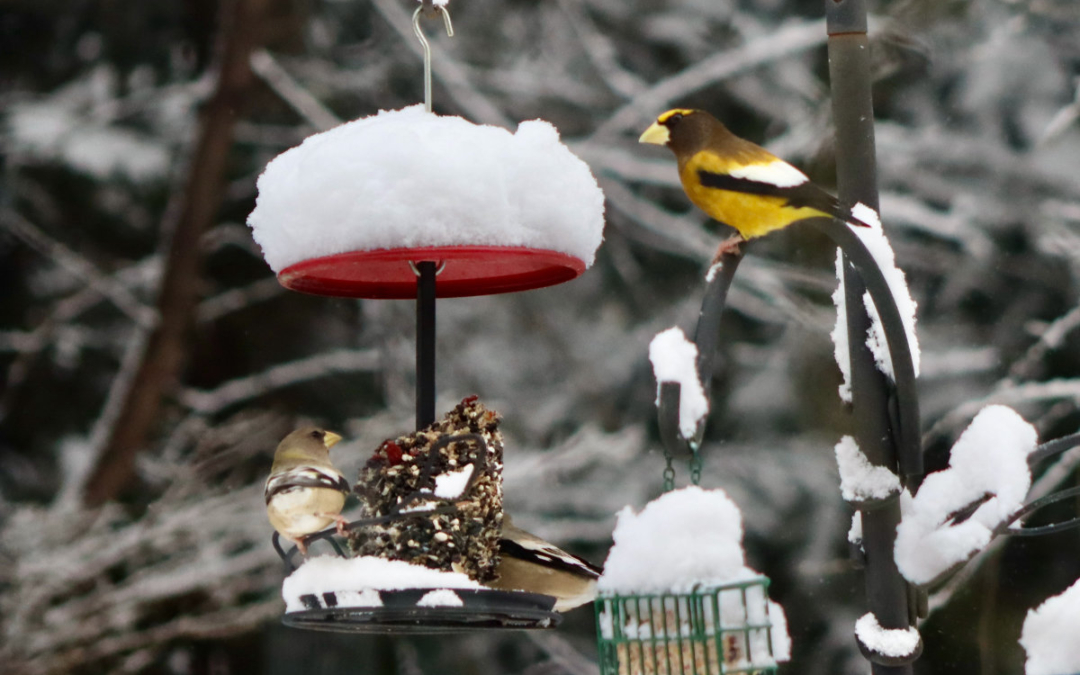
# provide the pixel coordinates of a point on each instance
(528, 563)
(305, 492)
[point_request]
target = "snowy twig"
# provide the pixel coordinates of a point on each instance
(310, 108)
(235, 299)
(773, 46)
(79, 266)
(1050, 338)
(562, 652)
(246, 388)
(1010, 395)
(601, 51)
(667, 232)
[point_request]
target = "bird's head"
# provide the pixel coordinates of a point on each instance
(684, 130)
(308, 441)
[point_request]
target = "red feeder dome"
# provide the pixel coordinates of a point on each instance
(466, 271)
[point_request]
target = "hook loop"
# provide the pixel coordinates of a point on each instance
(428, 8)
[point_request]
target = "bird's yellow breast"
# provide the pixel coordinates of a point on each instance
(752, 215)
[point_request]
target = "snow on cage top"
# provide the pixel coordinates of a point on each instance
(406, 179)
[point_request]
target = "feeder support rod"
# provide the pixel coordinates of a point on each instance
(431, 10)
(425, 343)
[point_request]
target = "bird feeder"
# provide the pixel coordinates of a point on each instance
(407, 204)
(706, 631)
(676, 597)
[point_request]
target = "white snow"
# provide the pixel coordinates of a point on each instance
(875, 240)
(897, 642)
(839, 333)
(54, 132)
(713, 270)
(437, 3)
(323, 574)
(443, 597)
(877, 243)
(1049, 635)
(369, 597)
(990, 457)
(681, 539)
(859, 479)
(674, 359)
(686, 539)
(854, 533)
(451, 484)
(778, 173)
(409, 178)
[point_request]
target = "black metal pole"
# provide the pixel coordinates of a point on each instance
(849, 73)
(425, 343)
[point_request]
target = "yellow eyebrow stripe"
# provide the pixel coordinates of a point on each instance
(671, 113)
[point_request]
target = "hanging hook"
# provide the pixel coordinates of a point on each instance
(428, 8)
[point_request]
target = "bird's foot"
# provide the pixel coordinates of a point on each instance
(728, 246)
(302, 547)
(342, 525)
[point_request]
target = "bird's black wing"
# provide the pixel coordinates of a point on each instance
(549, 556)
(305, 477)
(797, 196)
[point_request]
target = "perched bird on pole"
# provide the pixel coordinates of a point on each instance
(528, 563)
(737, 182)
(305, 492)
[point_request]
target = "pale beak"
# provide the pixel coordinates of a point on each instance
(657, 134)
(330, 439)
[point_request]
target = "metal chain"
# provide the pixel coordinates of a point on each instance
(695, 468)
(669, 474)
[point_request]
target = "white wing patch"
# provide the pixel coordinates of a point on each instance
(778, 173)
(305, 477)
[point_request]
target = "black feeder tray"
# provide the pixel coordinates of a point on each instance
(481, 609)
(399, 611)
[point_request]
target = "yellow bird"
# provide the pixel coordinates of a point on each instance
(737, 182)
(305, 492)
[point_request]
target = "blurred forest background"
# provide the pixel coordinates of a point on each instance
(150, 362)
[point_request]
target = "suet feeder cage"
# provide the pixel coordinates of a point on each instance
(411, 205)
(708, 631)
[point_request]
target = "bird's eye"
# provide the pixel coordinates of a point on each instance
(318, 435)
(674, 119)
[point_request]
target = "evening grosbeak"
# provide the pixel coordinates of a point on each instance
(528, 563)
(304, 492)
(737, 182)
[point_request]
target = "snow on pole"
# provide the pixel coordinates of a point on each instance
(861, 481)
(674, 359)
(894, 643)
(408, 178)
(988, 464)
(877, 244)
(1049, 635)
(839, 335)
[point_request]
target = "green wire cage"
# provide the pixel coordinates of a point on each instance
(707, 631)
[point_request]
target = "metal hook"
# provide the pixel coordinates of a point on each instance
(427, 4)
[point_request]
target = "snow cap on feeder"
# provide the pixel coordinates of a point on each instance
(367, 194)
(684, 550)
